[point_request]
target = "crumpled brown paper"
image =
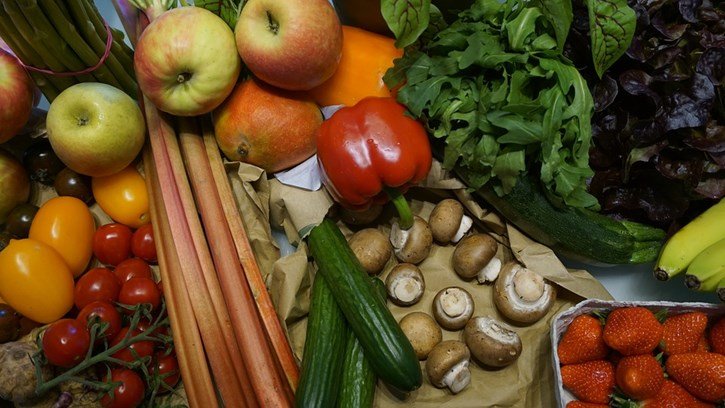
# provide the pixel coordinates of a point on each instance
(527, 383)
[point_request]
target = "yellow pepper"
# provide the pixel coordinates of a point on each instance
(365, 58)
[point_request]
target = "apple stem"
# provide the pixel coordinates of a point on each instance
(183, 77)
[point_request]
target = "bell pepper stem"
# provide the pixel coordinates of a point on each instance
(401, 205)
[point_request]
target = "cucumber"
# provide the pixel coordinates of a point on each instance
(390, 353)
(578, 233)
(358, 378)
(324, 350)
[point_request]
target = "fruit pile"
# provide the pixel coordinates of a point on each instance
(634, 357)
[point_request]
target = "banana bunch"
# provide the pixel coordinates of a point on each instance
(698, 249)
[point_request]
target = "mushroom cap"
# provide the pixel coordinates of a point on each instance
(453, 307)
(522, 295)
(472, 254)
(372, 248)
(412, 245)
(353, 217)
(445, 220)
(491, 343)
(444, 356)
(422, 331)
(405, 284)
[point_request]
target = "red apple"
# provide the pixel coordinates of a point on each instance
(185, 61)
(292, 44)
(17, 96)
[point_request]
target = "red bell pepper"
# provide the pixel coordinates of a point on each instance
(372, 152)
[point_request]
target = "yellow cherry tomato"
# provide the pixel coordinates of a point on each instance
(35, 280)
(66, 225)
(123, 197)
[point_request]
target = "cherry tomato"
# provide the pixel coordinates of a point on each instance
(144, 325)
(143, 245)
(66, 342)
(35, 281)
(97, 284)
(66, 224)
(132, 268)
(128, 394)
(166, 366)
(112, 243)
(135, 351)
(140, 290)
(104, 312)
(123, 197)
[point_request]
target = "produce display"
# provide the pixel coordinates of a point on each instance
(318, 203)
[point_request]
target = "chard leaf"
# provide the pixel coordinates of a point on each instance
(228, 10)
(560, 15)
(611, 27)
(407, 19)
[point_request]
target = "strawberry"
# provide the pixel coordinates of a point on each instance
(702, 345)
(592, 381)
(639, 377)
(580, 404)
(681, 333)
(632, 330)
(702, 374)
(717, 336)
(582, 342)
(671, 395)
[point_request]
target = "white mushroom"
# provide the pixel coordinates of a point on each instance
(447, 366)
(405, 284)
(422, 331)
(411, 245)
(372, 249)
(452, 307)
(447, 221)
(522, 295)
(475, 256)
(491, 343)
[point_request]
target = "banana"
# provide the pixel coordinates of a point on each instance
(690, 240)
(707, 269)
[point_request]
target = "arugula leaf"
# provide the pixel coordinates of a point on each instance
(560, 15)
(407, 19)
(228, 10)
(611, 25)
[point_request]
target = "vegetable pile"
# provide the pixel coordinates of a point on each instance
(658, 127)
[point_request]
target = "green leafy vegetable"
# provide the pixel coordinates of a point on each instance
(407, 19)
(560, 15)
(228, 10)
(494, 87)
(611, 26)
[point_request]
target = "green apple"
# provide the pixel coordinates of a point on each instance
(95, 129)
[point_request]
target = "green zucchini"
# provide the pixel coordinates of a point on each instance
(324, 350)
(390, 353)
(358, 378)
(578, 233)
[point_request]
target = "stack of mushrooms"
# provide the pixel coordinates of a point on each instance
(520, 295)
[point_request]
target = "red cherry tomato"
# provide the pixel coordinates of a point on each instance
(135, 351)
(112, 243)
(128, 394)
(167, 367)
(96, 284)
(144, 325)
(142, 243)
(66, 342)
(140, 290)
(106, 313)
(132, 268)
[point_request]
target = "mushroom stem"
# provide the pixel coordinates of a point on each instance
(401, 205)
(458, 377)
(406, 289)
(490, 272)
(463, 228)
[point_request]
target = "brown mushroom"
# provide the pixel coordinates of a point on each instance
(372, 249)
(475, 256)
(522, 295)
(447, 221)
(447, 366)
(405, 284)
(422, 331)
(491, 343)
(453, 307)
(412, 245)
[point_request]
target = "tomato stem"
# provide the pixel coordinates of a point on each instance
(401, 205)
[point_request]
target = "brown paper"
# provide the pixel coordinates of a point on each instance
(527, 383)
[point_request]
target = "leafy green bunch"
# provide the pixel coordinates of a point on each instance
(495, 88)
